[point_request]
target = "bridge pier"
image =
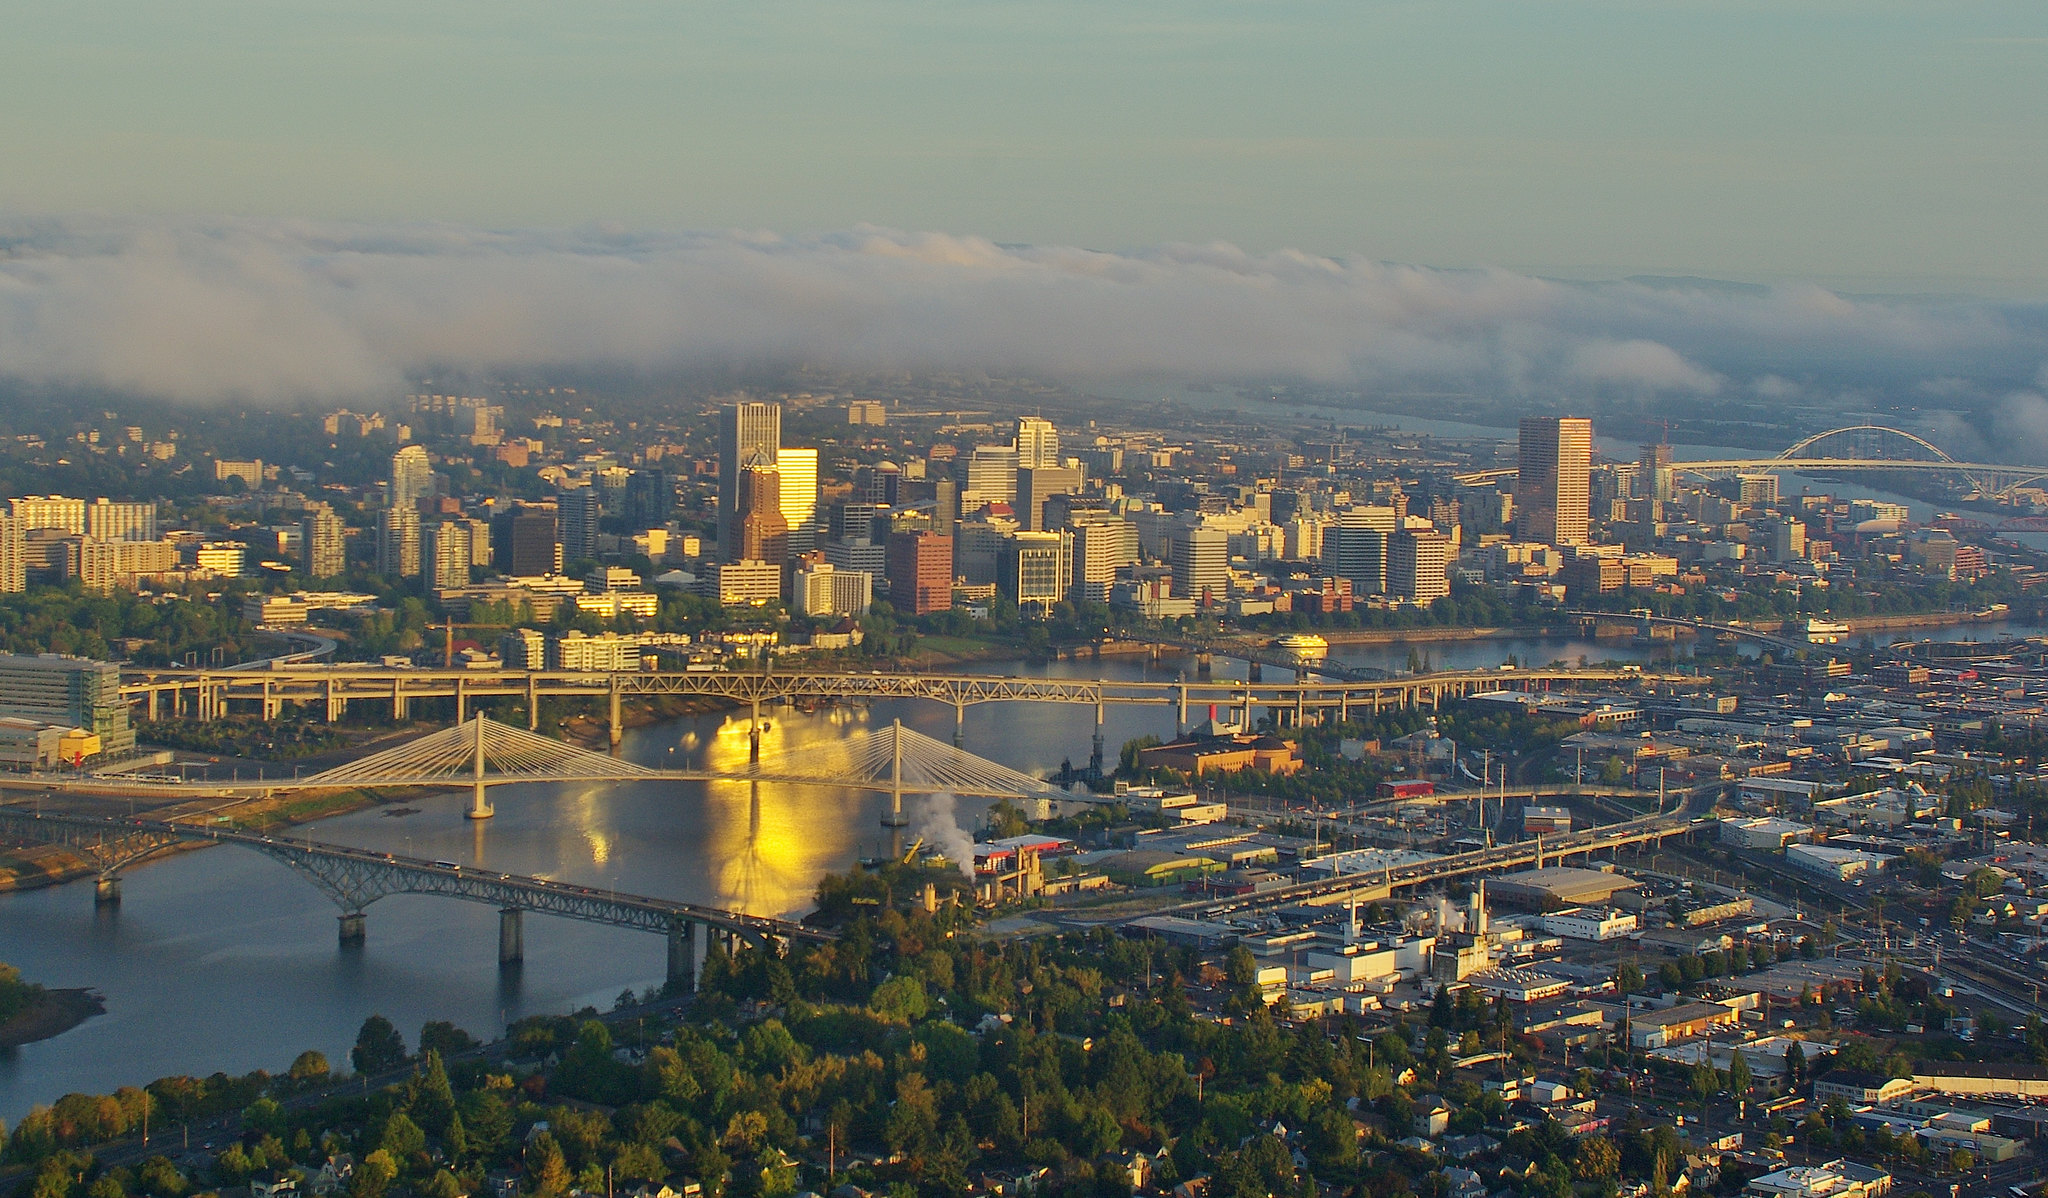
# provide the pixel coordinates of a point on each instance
(532, 703)
(1095, 745)
(1256, 672)
(682, 956)
(1180, 719)
(336, 705)
(272, 706)
(959, 725)
(461, 703)
(352, 928)
(397, 699)
(618, 727)
(511, 938)
(149, 705)
(1204, 663)
(106, 891)
(754, 732)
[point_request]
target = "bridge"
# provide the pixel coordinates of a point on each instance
(1342, 887)
(1645, 619)
(354, 878)
(483, 753)
(1863, 448)
(327, 691)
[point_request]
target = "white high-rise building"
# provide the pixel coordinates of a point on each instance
(1418, 564)
(412, 477)
(398, 543)
(447, 554)
(106, 520)
(1037, 442)
(1201, 564)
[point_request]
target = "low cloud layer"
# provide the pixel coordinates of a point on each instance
(292, 311)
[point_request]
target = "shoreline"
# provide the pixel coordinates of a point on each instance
(53, 1013)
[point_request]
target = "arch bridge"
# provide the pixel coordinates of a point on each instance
(1863, 448)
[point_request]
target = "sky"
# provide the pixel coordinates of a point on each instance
(296, 199)
(1861, 144)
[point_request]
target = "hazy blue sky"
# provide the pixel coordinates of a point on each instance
(1860, 143)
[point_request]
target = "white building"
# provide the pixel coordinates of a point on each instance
(1765, 833)
(1589, 923)
(825, 590)
(1836, 862)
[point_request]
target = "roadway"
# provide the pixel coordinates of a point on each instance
(355, 877)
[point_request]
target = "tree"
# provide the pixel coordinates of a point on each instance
(309, 1066)
(378, 1048)
(373, 1175)
(1739, 1077)
(445, 1038)
(1597, 1160)
(547, 1171)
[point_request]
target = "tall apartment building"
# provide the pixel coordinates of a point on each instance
(110, 521)
(447, 553)
(13, 557)
(100, 566)
(1201, 564)
(1418, 564)
(412, 476)
(49, 511)
(398, 543)
(70, 692)
(326, 542)
(1037, 442)
(1553, 483)
(920, 572)
(749, 435)
(650, 497)
(579, 511)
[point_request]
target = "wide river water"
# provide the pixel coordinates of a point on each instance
(222, 959)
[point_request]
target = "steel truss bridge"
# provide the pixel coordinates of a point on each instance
(354, 878)
(1862, 448)
(327, 691)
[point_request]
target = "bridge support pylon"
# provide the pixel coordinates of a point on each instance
(682, 956)
(618, 726)
(352, 928)
(106, 892)
(479, 806)
(511, 937)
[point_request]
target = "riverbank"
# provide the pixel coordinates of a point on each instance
(51, 1013)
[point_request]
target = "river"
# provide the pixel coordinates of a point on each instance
(221, 959)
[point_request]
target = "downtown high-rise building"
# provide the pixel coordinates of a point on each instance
(1037, 442)
(749, 435)
(1418, 565)
(1553, 482)
(1201, 564)
(1354, 546)
(412, 477)
(920, 571)
(13, 556)
(799, 471)
(524, 541)
(1653, 475)
(760, 532)
(580, 510)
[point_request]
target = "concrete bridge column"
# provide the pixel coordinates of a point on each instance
(149, 704)
(959, 724)
(106, 892)
(1343, 707)
(511, 940)
(1180, 719)
(754, 732)
(398, 698)
(273, 706)
(336, 705)
(618, 727)
(532, 703)
(682, 955)
(352, 928)
(461, 703)
(1095, 746)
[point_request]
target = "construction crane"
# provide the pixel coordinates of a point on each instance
(448, 638)
(912, 854)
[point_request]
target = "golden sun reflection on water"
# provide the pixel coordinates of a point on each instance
(770, 842)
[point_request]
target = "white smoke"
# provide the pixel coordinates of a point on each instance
(271, 310)
(937, 820)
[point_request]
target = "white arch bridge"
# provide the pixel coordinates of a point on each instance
(1867, 448)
